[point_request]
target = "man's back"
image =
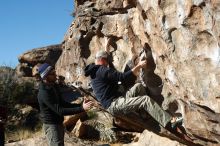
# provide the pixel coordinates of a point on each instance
(104, 82)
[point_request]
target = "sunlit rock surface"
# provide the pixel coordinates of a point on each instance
(183, 44)
(179, 39)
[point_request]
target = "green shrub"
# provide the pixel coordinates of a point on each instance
(22, 91)
(16, 91)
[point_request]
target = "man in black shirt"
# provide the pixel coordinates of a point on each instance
(53, 107)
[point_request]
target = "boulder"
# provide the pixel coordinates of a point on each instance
(180, 41)
(148, 138)
(49, 54)
(23, 70)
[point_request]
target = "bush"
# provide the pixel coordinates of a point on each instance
(7, 82)
(16, 91)
(22, 91)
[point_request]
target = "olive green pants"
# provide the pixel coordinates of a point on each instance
(136, 99)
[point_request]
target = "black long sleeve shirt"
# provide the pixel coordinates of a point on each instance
(104, 82)
(52, 106)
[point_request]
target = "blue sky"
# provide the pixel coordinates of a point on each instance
(28, 24)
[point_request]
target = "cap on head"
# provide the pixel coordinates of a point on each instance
(44, 69)
(101, 54)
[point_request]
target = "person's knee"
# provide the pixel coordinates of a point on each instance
(140, 89)
(138, 85)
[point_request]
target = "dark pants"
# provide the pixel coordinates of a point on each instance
(54, 134)
(2, 134)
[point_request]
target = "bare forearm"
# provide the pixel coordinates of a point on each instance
(137, 68)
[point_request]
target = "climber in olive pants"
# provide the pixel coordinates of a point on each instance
(104, 81)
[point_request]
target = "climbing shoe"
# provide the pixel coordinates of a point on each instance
(178, 121)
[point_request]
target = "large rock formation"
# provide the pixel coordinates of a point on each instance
(180, 40)
(48, 54)
(30, 59)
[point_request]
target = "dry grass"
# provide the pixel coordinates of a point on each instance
(21, 134)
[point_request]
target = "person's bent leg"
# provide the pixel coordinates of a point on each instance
(137, 90)
(54, 134)
(126, 105)
(156, 111)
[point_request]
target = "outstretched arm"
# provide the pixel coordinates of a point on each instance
(58, 108)
(136, 69)
(107, 49)
(107, 46)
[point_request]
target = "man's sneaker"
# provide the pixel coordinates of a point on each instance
(177, 122)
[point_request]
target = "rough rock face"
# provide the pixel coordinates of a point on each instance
(48, 54)
(181, 42)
